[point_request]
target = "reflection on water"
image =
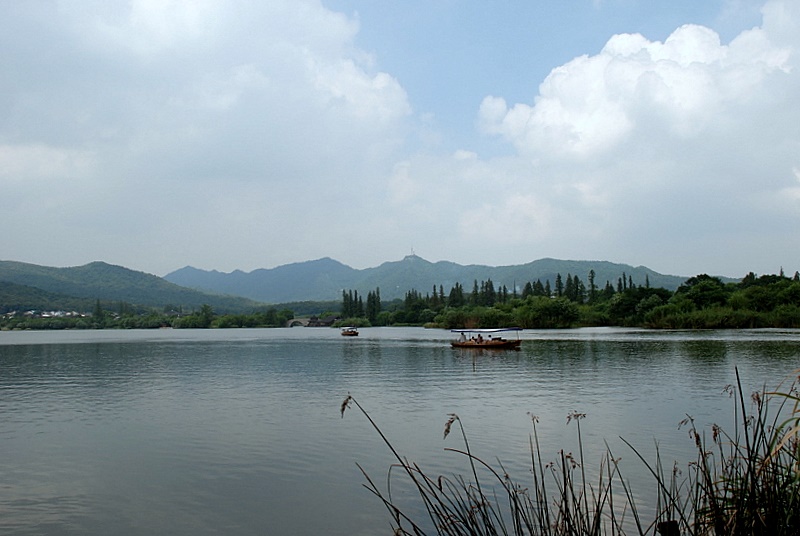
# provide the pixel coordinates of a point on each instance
(235, 432)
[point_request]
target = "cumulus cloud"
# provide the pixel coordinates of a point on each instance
(594, 104)
(684, 144)
(681, 154)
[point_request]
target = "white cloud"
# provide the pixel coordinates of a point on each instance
(509, 222)
(146, 27)
(377, 97)
(653, 148)
(595, 104)
(39, 164)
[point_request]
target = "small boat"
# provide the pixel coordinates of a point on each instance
(350, 331)
(485, 339)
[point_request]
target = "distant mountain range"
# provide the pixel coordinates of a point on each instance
(29, 286)
(324, 279)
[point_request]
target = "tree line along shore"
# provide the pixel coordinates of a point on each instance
(701, 302)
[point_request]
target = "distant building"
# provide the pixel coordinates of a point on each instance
(326, 322)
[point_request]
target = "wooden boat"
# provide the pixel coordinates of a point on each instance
(486, 339)
(350, 331)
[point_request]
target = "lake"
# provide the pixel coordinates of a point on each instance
(195, 432)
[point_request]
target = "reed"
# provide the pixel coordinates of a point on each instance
(746, 482)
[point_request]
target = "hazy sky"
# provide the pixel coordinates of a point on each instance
(156, 134)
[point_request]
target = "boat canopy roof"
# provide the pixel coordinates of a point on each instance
(484, 330)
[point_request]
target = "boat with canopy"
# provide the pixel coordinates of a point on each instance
(485, 338)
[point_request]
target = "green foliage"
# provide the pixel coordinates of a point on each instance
(538, 312)
(103, 318)
(453, 317)
(784, 316)
(593, 316)
(492, 317)
(704, 291)
(629, 307)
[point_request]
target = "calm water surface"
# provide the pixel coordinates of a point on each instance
(239, 432)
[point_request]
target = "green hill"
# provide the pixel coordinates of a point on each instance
(15, 297)
(29, 286)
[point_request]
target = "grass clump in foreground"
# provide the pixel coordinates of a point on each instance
(747, 482)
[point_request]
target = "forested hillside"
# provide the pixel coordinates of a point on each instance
(15, 297)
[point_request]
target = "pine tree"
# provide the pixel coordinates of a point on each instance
(580, 290)
(99, 316)
(569, 288)
(608, 291)
(539, 290)
(373, 305)
(359, 307)
(456, 298)
(527, 290)
(489, 294)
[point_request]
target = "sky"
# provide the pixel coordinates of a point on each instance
(156, 134)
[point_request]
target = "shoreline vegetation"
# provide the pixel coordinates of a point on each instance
(701, 302)
(746, 482)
